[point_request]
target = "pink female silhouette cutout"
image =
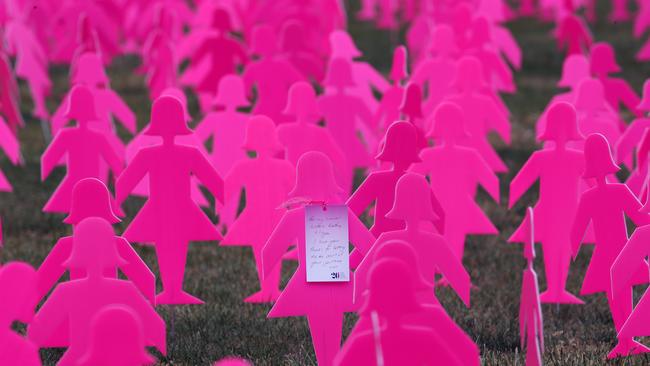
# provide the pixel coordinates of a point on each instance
(559, 170)
(270, 74)
(455, 173)
(606, 205)
(594, 113)
(305, 135)
(160, 66)
(496, 72)
(620, 12)
(77, 302)
(531, 323)
(411, 109)
(413, 206)
(17, 303)
(344, 111)
(642, 20)
(170, 219)
(573, 35)
(219, 51)
(267, 181)
(402, 331)
(294, 47)
(482, 114)
(365, 77)
(633, 138)
(91, 198)
(399, 150)
(83, 148)
(617, 91)
(388, 110)
(323, 303)
(11, 146)
(9, 95)
(117, 339)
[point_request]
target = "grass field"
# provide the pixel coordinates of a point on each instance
(198, 335)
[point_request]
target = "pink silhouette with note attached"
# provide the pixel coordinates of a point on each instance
(482, 114)
(455, 172)
(343, 111)
(170, 219)
(77, 302)
(84, 150)
(531, 323)
(18, 300)
(267, 180)
(117, 339)
(323, 303)
(399, 150)
(559, 170)
(606, 206)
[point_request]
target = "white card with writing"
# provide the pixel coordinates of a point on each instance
(327, 243)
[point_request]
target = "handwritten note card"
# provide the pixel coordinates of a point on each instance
(326, 239)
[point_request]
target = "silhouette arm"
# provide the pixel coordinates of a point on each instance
(631, 138)
(281, 238)
(156, 330)
(453, 270)
(53, 154)
(580, 223)
(121, 111)
(376, 79)
(629, 98)
(360, 237)
(136, 270)
(130, 177)
(440, 212)
(363, 196)
(233, 183)
(486, 177)
(525, 178)
(498, 121)
(630, 260)
(52, 267)
(48, 318)
(204, 130)
(208, 175)
(114, 161)
(632, 206)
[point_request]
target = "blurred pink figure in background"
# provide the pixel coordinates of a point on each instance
(617, 91)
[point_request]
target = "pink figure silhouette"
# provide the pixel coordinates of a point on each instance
(170, 219)
(400, 150)
(617, 90)
(17, 303)
(482, 114)
(77, 302)
(90, 198)
(606, 206)
(117, 339)
(632, 138)
(221, 53)
(619, 11)
(573, 35)
(594, 113)
(365, 77)
(531, 322)
(388, 110)
(9, 95)
(642, 20)
(455, 173)
(559, 170)
(161, 66)
(83, 147)
(270, 74)
(295, 48)
(402, 330)
(304, 135)
(343, 111)
(411, 109)
(323, 303)
(11, 146)
(496, 72)
(142, 140)
(267, 181)
(413, 206)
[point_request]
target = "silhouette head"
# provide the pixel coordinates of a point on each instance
(598, 157)
(339, 74)
(315, 178)
(261, 135)
(591, 95)
(443, 40)
(561, 124)
(391, 289)
(221, 20)
(400, 144)
(231, 92)
(448, 123)
(167, 118)
(469, 75)
(401, 250)
(481, 32)
(264, 42)
(412, 199)
(90, 198)
(301, 101)
(412, 101)
(398, 71)
(645, 101)
(90, 71)
(18, 294)
(81, 104)
(603, 59)
(93, 246)
(574, 70)
(462, 17)
(292, 36)
(343, 46)
(117, 338)
(180, 95)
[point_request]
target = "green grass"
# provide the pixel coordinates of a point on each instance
(198, 335)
